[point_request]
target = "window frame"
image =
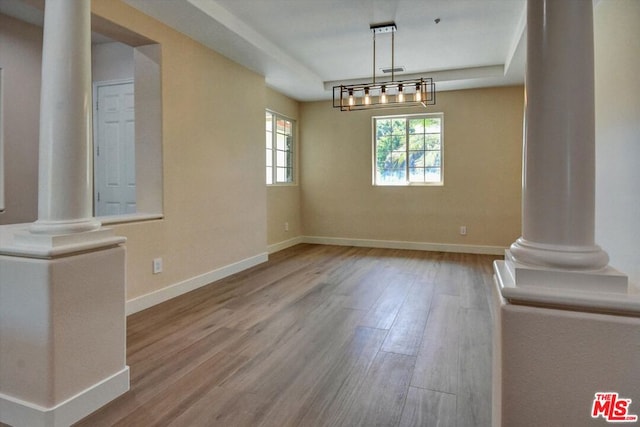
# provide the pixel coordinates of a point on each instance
(292, 152)
(407, 182)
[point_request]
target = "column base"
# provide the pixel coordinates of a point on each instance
(18, 240)
(549, 363)
(560, 337)
(63, 335)
(18, 413)
(605, 290)
(579, 258)
(606, 279)
(64, 227)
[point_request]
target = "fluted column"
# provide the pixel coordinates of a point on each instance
(65, 186)
(558, 211)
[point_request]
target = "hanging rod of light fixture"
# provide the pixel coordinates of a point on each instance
(387, 94)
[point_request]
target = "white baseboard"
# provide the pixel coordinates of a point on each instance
(393, 244)
(19, 413)
(284, 245)
(149, 300)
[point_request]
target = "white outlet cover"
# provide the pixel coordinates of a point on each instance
(157, 265)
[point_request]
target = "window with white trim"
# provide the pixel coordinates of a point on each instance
(408, 149)
(280, 133)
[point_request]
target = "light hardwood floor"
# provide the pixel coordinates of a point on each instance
(317, 336)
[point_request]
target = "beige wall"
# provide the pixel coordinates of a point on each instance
(148, 107)
(111, 61)
(482, 174)
(617, 67)
(283, 201)
(213, 155)
(20, 59)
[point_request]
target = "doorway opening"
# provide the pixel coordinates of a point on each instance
(127, 122)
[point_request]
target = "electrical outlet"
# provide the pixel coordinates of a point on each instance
(157, 265)
(286, 226)
(463, 230)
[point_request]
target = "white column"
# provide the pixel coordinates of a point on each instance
(558, 210)
(560, 311)
(62, 279)
(65, 187)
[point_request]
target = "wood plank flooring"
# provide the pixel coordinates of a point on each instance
(317, 336)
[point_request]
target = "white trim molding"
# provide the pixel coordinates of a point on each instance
(395, 244)
(18, 412)
(276, 247)
(153, 298)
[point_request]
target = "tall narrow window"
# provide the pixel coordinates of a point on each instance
(280, 149)
(408, 149)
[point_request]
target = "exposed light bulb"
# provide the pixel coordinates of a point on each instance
(383, 95)
(400, 93)
(367, 98)
(418, 93)
(351, 100)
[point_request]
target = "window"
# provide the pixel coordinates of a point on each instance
(408, 149)
(280, 149)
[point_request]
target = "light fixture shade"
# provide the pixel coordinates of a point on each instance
(367, 96)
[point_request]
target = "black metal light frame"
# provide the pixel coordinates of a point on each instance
(402, 93)
(391, 94)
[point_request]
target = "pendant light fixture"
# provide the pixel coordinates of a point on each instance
(389, 94)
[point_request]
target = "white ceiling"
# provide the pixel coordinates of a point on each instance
(303, 47)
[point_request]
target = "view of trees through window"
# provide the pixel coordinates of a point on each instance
(408, 149)
(280, 149)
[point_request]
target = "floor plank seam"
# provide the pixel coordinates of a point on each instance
(434, 390)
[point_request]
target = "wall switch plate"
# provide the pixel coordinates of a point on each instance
(286, 226)
(463, 230)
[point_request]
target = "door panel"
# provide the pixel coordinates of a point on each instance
(114, 150)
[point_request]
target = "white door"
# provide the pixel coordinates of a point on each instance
(114, 150)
